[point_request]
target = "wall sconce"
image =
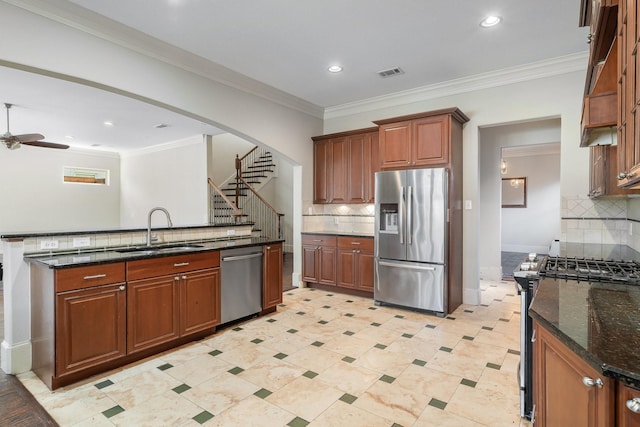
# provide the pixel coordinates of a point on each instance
(503, 167)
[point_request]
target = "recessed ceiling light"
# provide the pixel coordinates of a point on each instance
(490, 21)
(68, 136)
(334, 69)
(108, 123)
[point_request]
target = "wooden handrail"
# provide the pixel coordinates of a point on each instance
(250, 151)
(250, 188)
(236, 211)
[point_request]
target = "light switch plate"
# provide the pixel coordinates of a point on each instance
(231, 232)
(467, 204)
(81, 242)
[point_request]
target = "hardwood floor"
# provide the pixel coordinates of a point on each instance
(18, 407)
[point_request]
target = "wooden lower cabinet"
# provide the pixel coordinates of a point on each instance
(627, 416)
(319, 259)
(90, 327)
(355, 263)
(272, 276)
(567, 390)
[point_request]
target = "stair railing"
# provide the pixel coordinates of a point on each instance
(261, 213)
(217, 194)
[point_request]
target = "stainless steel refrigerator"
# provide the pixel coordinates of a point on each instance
(411, 221)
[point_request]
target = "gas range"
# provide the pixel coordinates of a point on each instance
(592, 270)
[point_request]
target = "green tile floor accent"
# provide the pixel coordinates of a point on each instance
(349, 300)
(165, 366)
(257, 341)
(348, 359)
(437, 403)
(487, 328)
(103, 384)
(202, 417)
(290, 293)
(380, 346)
(237, 329)
(301, 313)
(262, 393)
(450, 318)
(503, 320)
(399, 316)
(348, 333)
(510, 351)
(113, 411)
(430, 326)
(271, 320)
(468, 311)
(348, 398)
(407, 335)
(484, 305)
(292, 331)
(323, 322)
(282, 305)
(236, 370)
(310, 374)
(317, 343)
(496, 299)
(447, 349)
(467, 337)
(326, 306)
(396, 425)
(376, 324)
(215, 352)
(387, 379)
(181, 388)
(468, 383)
(419, 362)
(329, 295)
(349, 314)
(298, 422)
(493, 366)
(280, 356)
(307, 299)
(373, 308)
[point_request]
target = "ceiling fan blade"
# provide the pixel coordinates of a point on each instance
(45, 144)
(28, 137)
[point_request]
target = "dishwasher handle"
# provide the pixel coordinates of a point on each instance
(240, 257)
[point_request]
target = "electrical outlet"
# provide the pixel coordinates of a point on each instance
(336, 220)
(49, 244)
(81, 242)
(467, 204)
(630, 229)
(231, 232)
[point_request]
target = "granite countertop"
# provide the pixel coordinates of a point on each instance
(341, 233)
(79, 258)
(598, 321)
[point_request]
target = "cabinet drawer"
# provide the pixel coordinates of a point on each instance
(154, 267)
(363, 243)
(318, 240)
(92, 275)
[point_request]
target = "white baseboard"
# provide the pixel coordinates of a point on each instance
(16, 359)
(471, 296)
(491, 273)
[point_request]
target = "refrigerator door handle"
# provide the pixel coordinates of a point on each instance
(409, 215)
(406, 266)
(400, 216)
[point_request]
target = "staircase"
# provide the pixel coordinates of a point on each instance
(236, 200)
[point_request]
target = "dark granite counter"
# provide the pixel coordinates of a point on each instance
(599, 321)
(341, 233)
(79, 258)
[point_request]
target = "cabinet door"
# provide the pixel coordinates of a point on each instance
(153, 312)
(359, 165)
(322, 172)
(625, 416)
(365, 268)
(90, 327)
(596, 177)
(347, 267)
(371, 166)
(200, 300)
(272, 276)
(395, 145)
(339, 170)
(309, 267)
(327, 265)
(563, 396)
(430, 145)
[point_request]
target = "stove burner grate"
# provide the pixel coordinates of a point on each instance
(594, 270)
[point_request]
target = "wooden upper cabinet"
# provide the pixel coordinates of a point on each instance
(418, 140)
(344, 166)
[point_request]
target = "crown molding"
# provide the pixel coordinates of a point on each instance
(536, 70)
(531, 150)
(87, 21)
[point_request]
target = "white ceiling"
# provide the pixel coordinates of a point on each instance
(288, 44)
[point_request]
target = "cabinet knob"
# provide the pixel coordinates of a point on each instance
(634, 405)
(184, 277)
(268, 248)
(122, 287)
(589, 38)
(590, 382)
(620, 176)
(176, 278)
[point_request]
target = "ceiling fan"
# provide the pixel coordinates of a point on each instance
(34, 139)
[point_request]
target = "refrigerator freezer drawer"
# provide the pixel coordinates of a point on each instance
(410, 284)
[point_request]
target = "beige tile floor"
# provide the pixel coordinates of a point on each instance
(324, 359)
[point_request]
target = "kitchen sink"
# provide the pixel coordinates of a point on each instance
(149, 250)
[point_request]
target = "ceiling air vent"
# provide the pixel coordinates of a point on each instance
(390, 72)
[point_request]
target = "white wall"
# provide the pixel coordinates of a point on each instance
(35, 198)
(173, 176)
(224, 148)
(548, 96)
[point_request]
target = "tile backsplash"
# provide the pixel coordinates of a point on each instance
(594, 221)
(338, 218)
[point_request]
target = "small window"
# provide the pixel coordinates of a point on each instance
(86, 175)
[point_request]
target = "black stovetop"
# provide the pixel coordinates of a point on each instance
(592, 270)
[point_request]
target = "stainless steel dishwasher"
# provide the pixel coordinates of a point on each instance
(241, 271)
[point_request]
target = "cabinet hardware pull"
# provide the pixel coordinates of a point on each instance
(176, 278)
(590, 382)
(268, 248)
(317, 240)
(180, 264)
(95, 276)
(184, 277)
(355, 243)
(634, 405)
(533, 336)
(122, 287)
(533, 414)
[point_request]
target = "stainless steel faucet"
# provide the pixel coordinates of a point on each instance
(166, 212)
